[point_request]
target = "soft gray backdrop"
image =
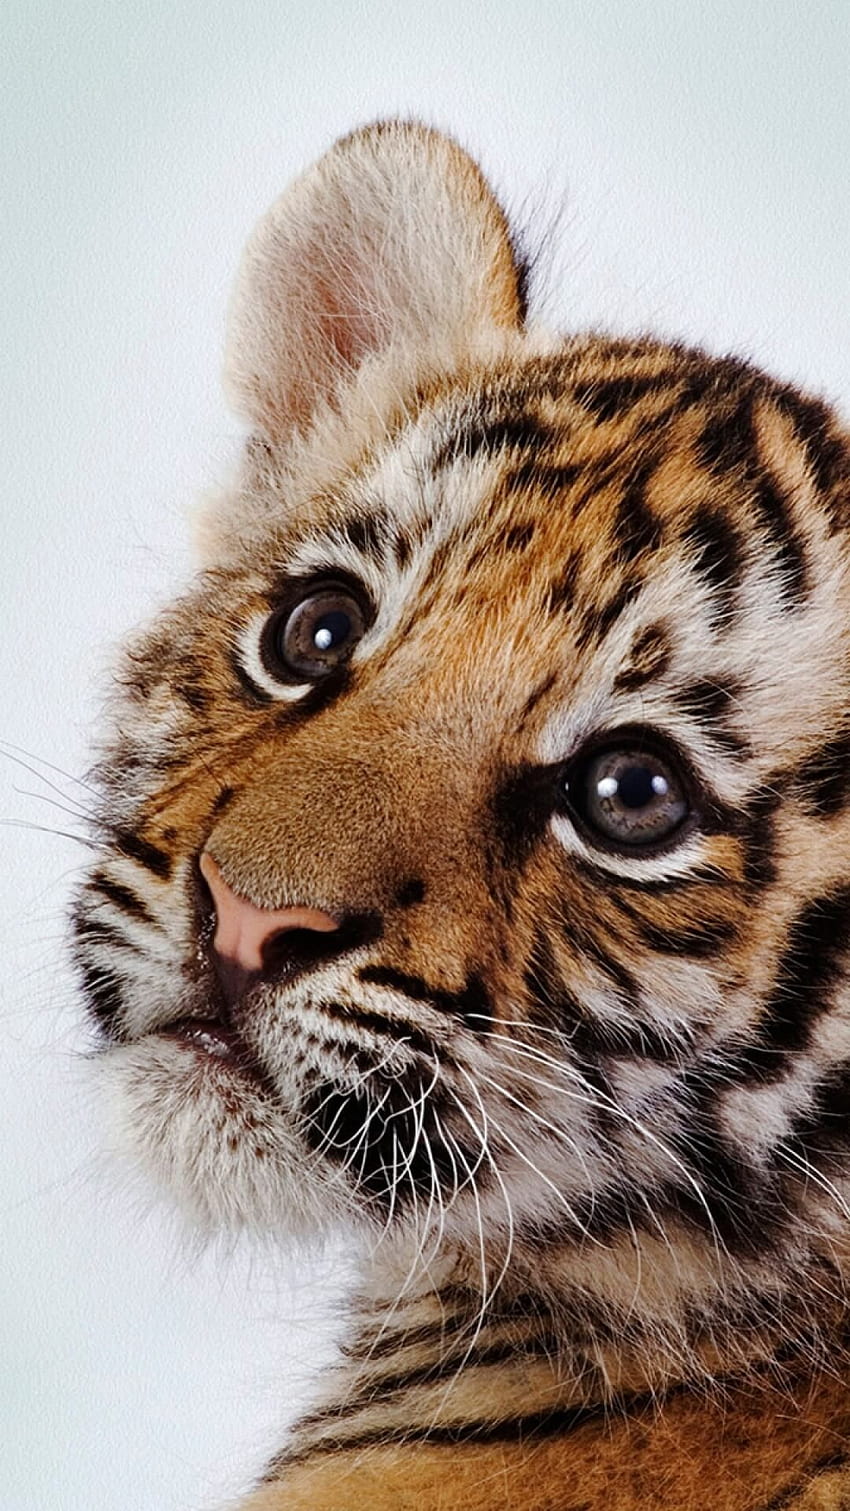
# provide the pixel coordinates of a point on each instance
(692, 160)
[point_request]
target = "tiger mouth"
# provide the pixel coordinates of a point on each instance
(209, 1036)
(215, 1044)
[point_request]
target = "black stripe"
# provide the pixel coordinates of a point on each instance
(600, 472)
(599, 877)
(717, 558)
(536, 697)
(523, 271)
(440, 558)
(636, 1039)
(521, 811)
(556, 1006)
(648, 659)
(99, 931)
(545, 984)
(504, 432)
(252, 689)
(707, 700)
(588, 1037)
(701, 379)
(760, 837)
(552, 1421)
(605, 1214)
(563, 589)
(827, 452)
(472, 1003)
(102, 990)
(141, 850)
(370, 1345)
(788, 544)
(824, 1128)
(598, 621)
(611, 967)
(381, 1388)
(700, 941)
(403, 548)
(517, 537)
(727, 442)
(746, 1207)
(351, 1052)
(331, 686)
(708, 703)
(223, 798)
(607, 398)
(123, 897)
(823, 778)
(367, 533)
(190, 688)
(539, 476)
(636, 529)
(813, 962)
(715, 1190)
(381, 1024)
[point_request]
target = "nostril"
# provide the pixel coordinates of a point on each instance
(289, 951)
(249, 943)
(288, 954)
(290, 948)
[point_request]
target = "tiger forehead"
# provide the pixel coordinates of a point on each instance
(534, 531)
(544, 524)
(564, 450)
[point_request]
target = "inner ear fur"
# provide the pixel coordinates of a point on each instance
(392, 239)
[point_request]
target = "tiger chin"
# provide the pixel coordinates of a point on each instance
(473, 872)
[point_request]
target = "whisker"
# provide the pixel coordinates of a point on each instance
(526, 1160)
(16, 752)
(482, 1253)
(22, 823)
(496, 1171)
(599, 1100)
(560, 1133)
(529, 1028)
(811, 1172)
(43, 797)
(360, 1145)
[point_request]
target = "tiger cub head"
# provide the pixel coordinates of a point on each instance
(474, 859)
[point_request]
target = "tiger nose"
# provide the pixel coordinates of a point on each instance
(247, 936)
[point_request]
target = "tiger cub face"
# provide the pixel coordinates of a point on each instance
(474, 833)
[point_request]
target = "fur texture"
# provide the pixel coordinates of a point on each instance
(571, 781)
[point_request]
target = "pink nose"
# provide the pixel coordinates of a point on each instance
(244, 931)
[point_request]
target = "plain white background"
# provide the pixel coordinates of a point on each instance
(692, 160)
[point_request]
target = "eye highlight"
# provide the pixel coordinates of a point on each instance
(315, 634)
(628, 795)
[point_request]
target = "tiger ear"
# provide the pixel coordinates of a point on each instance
(393, 239)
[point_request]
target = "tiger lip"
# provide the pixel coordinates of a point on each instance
(212, 1039)
(208, 1035)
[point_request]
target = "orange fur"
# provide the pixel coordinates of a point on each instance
(740, 1452)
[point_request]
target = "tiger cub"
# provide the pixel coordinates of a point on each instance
(474, 872)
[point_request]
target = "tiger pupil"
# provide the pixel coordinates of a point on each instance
(629, 799)
(636, 786)
(331, 630)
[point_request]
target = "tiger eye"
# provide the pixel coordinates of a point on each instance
(314, 636)
(629, 797)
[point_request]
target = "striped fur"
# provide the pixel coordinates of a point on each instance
(583, 1104)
